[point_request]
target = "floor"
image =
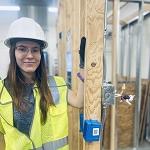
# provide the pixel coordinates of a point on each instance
(144, 146)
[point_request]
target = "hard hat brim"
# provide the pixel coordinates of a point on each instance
(8, 42)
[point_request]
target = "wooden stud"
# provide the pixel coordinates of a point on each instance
(115, 46)
(82, 33)
(74, 116)
(61, 29)
(94, 29)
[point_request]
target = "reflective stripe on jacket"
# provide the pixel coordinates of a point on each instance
(53, 135)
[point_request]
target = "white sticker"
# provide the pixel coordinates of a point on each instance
(95, 131)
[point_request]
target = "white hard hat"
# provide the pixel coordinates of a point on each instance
(25, 28)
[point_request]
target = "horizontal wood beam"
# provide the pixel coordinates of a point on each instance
(126, 20)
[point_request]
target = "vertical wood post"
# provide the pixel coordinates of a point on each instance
(115, 46)
(61, 29)
(82, 33)
(75, 30)
(94, 29)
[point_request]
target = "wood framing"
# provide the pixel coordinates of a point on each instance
(83, 18)
(61, 30)
(115, 46)
(74, 5)
(82, 33)
(126, 20)
(94, 29)
(65, 26)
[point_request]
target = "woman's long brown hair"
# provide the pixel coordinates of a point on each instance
(14, 77)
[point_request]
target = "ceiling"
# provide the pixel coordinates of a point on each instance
(30, 2)
(36, 9)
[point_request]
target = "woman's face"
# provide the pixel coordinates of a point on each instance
(28, 56)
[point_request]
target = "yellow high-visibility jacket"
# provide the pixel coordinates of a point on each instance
(51, 136)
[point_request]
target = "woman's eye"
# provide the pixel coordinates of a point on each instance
(35, 50)
(22, 49)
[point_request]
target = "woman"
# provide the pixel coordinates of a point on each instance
(33, 108)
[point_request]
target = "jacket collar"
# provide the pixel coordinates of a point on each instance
(6, 111)
(5, 97)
